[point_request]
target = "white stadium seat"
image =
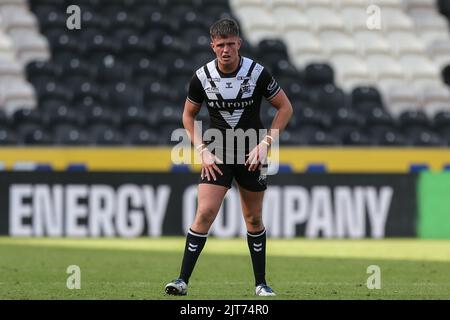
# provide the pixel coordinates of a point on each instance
(395, 20)
(397, 4)
(300, 41)
(362, 4)
(30, 46)
(237, 4)
(419, 67)
(301, 60)
(15, 18)
(10, 70)
(315, 3)
(369, 42)
(350, 70)
(337, 42)
(385, 66)
(405, 43)
(17, 94)
(258, 23)
(430, 36)
(420, 4)
(284, 4)
(400, 97)
(355, 19)
(324, 19)
(434, 92)
(440, 52)
(290, 19)
(428, 20)
(6, 47)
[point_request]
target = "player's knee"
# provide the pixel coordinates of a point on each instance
(205, 216)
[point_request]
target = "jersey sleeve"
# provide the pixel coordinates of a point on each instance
(195, 93)
(268, 85)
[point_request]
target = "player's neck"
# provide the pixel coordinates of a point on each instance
(229, 68)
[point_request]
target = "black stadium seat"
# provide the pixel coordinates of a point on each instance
(8, 137)
(446, 74)
(365, 95)
(100, 115)
(135, 48)
(101, 134)
(413, 121)
(69, 135)
(140, 135)
(61, 115)
(444, 7)
(319, 74)
(329, 97)
(55, 92)
(37, 136)
(122, 94)
(42, 71)
(133, 116)
(5, 121)
(441, 121)
(425, 138)
(355, 138)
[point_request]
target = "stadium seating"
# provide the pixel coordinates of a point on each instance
(122, 79)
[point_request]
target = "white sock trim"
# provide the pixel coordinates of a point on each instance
(197, 234)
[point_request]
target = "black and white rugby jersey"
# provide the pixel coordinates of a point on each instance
(234, 99)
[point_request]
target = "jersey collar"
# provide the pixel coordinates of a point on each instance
(231, 74)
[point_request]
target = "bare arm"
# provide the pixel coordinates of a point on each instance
(283, 115)
(280, 121)
(209, 167)
(190, 112)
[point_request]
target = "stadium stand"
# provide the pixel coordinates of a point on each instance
(122, 78)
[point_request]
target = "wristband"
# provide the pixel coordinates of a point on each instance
(200, 146)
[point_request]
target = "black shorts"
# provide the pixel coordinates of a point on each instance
(250, 180)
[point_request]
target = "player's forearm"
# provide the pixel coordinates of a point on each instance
(280, 120)
(193, 130)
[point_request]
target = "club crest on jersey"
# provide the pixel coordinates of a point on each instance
(246, 88)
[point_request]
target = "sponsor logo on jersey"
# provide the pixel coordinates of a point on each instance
(229, 85)
(230, 104)
(214, 90)
(213, 79)
(243, 78)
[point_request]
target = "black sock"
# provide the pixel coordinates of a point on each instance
(194, 244)
(257, 245)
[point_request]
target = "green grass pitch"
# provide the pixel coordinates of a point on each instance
(35, 268)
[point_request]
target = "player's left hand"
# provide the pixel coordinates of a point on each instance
(257, 157)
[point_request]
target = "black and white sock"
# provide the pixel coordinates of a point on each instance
(257, 245)
(194, 244)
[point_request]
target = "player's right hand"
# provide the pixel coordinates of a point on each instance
(209, 165)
